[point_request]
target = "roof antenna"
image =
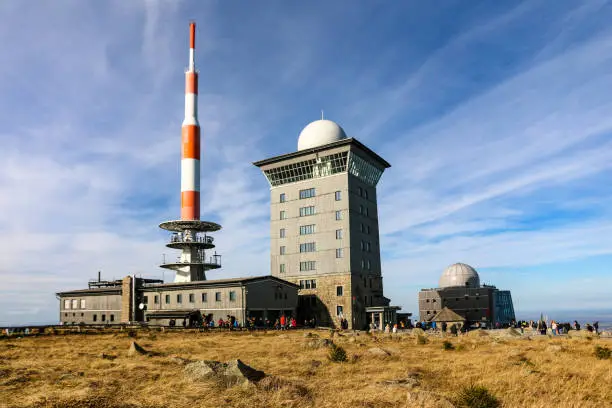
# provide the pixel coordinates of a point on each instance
(322, 117)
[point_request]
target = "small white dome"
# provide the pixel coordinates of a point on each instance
(319, 133)
(460, 274)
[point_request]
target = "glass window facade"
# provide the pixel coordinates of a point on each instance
(307, 229)
(306, 211)
(308, 247)
(307, 193)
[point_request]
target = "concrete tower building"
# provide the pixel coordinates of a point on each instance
(189, 234)
(324, 226)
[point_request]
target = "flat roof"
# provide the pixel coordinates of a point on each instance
(220, 282)
(342, 142)
(109, 290)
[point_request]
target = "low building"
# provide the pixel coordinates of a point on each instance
(461, 292)
(138, 300)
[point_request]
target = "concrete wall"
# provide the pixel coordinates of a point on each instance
(475, 304)
(98, 305)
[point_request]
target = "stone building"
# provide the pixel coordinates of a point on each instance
(138, 300)
(460, 291)
(324, 226)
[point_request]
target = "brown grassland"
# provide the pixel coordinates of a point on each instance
(69, 370)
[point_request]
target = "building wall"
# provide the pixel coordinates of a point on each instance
(102, 306)
(219, 309)
(475, 304)
(504, 308)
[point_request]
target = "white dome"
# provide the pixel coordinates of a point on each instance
(459, 274)
(319, 133)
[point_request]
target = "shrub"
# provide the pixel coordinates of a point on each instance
(476, 396)
(421, 339)
(602, 353)
(132, 333)
(447, 345)
(337, 354)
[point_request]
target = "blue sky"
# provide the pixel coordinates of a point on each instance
(496, 118)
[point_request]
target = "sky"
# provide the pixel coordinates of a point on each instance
(495, 116)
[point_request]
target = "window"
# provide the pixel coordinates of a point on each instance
(307, 229)
(191, 298)
(362, 263)
(145, 300)
(365, 193)
(281, 268)
(338, 234)
(360, 191)
(282, 197)
(368, 229)
(307, 266)
(167, 299)
(282, 233)
(308, 284)
(362, 245)
(306, 211)
(338, 215)
(339, 310)
(308, 193)
(75, 304)
(82, 314)
(217, 296)
(95, 318)
(179, 298)
(103, 317)
(339, 253)
(339, 290)
(282, 250)
(368, 246)
(362, 228)
(368, 265)
(338, 195)
(427, 300)
(308, 247)
(283, 215)
(232, 296)
(112, 318)
(67, 304)
(367, 213)
(82, 303)
(364, 282)
(156, 299)
(204, 297)
(360, 209)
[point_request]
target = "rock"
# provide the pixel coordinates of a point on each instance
(580, 334)
(478, 333)
(108, 356)
(318, 343)
(378, 352)
(234, 372)
(179, 360)
(427, 399)
(554, 348)
(408, 382)
(417, 332)
(288, 388)
(135, 350)
(512, 332)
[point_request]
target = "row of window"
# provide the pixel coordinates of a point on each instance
(365, 228)
(312, 247)
(95, 317)
(308, 284)
(310, 192)
(310, 210)
(363, 193)
(308, 247)
(74, 303)
(179, 298)
(366, 246)
(308, 266)
(308, 230)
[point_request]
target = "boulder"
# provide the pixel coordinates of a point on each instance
(378, 352)
(136, 350)
(317, 343)
(234, 372)
(417, 332)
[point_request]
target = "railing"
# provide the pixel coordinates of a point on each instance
(200, 239)
(212, 260)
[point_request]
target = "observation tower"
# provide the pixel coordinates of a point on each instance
(190, 234)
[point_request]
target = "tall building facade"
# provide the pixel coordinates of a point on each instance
(324, 225)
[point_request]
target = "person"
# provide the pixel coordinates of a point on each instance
(596, 327)
(444, 326)
(453, 329)
(293, 323)
(395, 328)
(576, 325)
(236, 325)
(387, 328)
(554, 328)
(283, 322)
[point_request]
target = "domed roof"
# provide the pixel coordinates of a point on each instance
(319, 133)
(459, 274)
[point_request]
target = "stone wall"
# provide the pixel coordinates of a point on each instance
(126, 299)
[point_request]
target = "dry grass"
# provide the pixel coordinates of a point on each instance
(70, 371)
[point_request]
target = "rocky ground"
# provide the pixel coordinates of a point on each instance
(315, 368)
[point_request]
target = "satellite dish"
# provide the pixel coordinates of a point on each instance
(141, 306)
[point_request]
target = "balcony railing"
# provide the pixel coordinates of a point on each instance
(212, 260)
(201, 239)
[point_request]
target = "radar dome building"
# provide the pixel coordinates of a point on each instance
(461, 296)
